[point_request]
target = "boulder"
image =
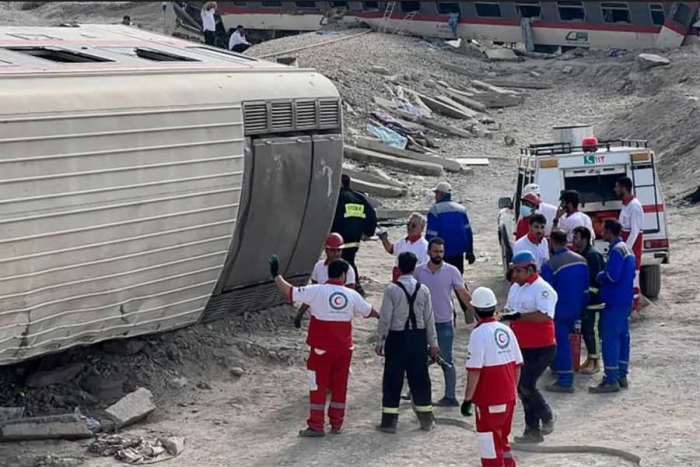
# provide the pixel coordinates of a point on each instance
(648, 61)
(132, 408)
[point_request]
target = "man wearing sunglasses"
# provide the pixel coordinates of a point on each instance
(413, 242)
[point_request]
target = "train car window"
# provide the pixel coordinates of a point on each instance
(488, 10)
(615, 12)
(446, 8)
(370, 5)
(528, 9)
(408, 7)
(682, 15)
(149, 54)
(271, 3)
(571, 11)
(240, 3)
(56, 54)
(658, 17)
(339, 4)
(305, 4)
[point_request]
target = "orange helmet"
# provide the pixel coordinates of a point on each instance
(532, 198)
(334, 241)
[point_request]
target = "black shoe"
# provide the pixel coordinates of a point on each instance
(560, 389)
(388, 424)
(445, 402)
(605, 388)
(530, 437)
(426, 420)
(624, 384)
(548, 427)
(309, 433)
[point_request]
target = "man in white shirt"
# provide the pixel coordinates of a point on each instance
(238, 42)
(632, 221)
(534, 241)
(414, 242)
(569, 217)
(209, 23)
(546, 209)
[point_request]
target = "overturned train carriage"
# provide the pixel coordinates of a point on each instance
(145, 180)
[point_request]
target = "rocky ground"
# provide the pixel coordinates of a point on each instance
(236, 389)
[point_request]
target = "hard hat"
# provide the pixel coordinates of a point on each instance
(523, 259)
(531, 188)
(532, 198)
(334, 241)
(483, 298)
(443, 187)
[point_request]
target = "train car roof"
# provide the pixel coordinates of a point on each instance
(102, 48)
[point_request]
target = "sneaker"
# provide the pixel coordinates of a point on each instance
(336, 431)
(560, 389)
(624, 384)
(591, 367)
(530, 437)
(548, 427)
(309, 433)
(604, 388)
(445, 402)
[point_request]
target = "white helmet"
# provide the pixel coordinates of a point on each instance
(483, 298)
(531, 188)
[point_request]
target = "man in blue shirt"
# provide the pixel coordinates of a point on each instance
(567, 273)
(617, 292)
(448, 220)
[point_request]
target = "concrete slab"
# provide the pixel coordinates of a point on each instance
(448, 130)
(68, 427)
(648, 61)
(379, 178)
(378, 146)
(502, 55)
(453, 103)
(363, 155)
(472, 161)
(132, 408)
(376, 189)
(8, 414)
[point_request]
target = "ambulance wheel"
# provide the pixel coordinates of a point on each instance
(650, 280)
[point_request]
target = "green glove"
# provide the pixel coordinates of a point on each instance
(274, 266)
(466, 408)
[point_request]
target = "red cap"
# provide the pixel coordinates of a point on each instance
(334, 241)
(532, 198)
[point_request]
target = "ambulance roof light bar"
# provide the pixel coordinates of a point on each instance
(556, 149)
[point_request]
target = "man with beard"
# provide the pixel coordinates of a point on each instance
(632, 221)
(441, 279)
(534, 241)
(569, 217)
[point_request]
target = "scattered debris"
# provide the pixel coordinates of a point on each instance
(378, 146)
(648, 61)
(502, 55)
(363, 155)
(60, 375)
(503, 83)
(509, 140)
(8, 414)
(132, 408)
(138, 451)
(567, 70)
(472, 161)
(377, 189)
(377, 176)
(104, 387)
(237, 371)
(448, 130)
(124, 346)
(179, 383)
(380, 70)
(68, 427)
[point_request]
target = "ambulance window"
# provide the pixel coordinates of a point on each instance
(658, 17)
(55, 54)
(528, 9)
(571, 11)
(488, 10)
(595, 188)
(616, 13)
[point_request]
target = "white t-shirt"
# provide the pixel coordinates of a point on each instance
(320, 274)
(632, 220)
(549, 212)
(236, 39)
(539, 251)
(418, 248)
(330, 302)
(208, 21)
(577, 219)
(529, 298)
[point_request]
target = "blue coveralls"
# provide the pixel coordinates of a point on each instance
(567, 273)
(617, 291)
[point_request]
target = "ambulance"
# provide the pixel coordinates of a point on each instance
(565, 165)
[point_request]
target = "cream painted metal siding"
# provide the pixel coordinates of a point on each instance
(112, 223)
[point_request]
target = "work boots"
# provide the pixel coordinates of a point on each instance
(605, 388)
(389, 422)
(591, 367)
(426, 420)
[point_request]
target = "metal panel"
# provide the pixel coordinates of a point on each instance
(322, 201)
(115, 228)
(277, 200)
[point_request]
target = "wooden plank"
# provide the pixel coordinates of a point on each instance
(504, 83)
(472, 161)
(378, 146)
(363, 155)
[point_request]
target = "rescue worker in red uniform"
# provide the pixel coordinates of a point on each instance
(632, 220)
(332, 307)
(493, 372)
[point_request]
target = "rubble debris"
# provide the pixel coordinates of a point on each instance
(457, 69)
(567, 70)
(124, 346)
(498, 100)
(380, 70)
(138, 451)
(179, 383)
(237, 372)
(465, 100)
(68, 427)
(440, 107)
(509, 140)
(377, 189)
(132, 408)
(502, 55)
(452, 103)
(503, 83)
(104, 387)
(378, 146)
(8, 414)
(363, 155)
(59, 375)
(467, 161)
(448, 130)
(648, 61)
(377, 177)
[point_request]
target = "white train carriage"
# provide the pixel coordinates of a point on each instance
(145, 179)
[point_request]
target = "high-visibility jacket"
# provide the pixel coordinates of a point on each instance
(354, 216)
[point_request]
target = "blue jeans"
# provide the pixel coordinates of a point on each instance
(563, 362)
(446, 336)
(615, 326)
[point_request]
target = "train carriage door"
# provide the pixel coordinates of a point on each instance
(680, 18)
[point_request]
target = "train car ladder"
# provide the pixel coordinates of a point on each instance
(402, 25)
(384, 24)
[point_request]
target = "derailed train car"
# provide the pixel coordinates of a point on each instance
(144, 180)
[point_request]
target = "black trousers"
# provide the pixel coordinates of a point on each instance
(458, 262)
(591, 330)
(210, 37)
(536, 362)
(240, 48)
(349, 254)
(406, 354)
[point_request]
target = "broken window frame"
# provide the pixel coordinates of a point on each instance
(495, 6)
(519, 6)
(656, 8)
(683, 14)
(609, 9)
(571, 6)
(409, 7)
(448, 8)
(57, 52)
